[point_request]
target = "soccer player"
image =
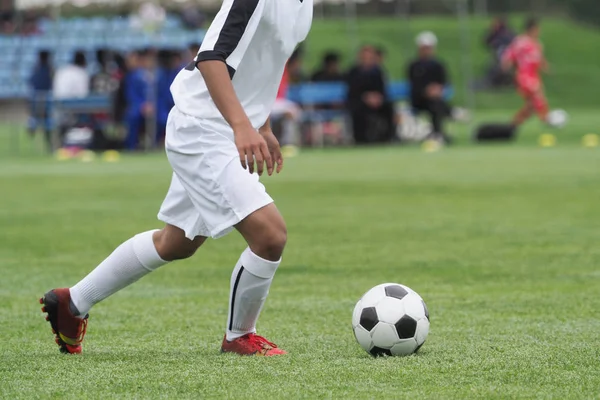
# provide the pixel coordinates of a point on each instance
(526, 55)
(218, 136)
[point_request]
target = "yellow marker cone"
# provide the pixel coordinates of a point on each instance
(590, 140)
(111, 156)
(289, 151)
(63, 154)
(547, 140)
(431, 146)
(87, 156)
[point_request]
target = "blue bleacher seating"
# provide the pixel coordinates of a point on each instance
(64, 36)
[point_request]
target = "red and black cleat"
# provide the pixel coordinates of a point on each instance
(251, 345)
(69, 329)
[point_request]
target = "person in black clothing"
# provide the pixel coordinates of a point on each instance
(330, 69)
(103, 81)
(497, 40)
(371, 112)
(427, 77)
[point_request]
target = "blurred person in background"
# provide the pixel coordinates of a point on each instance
(72, 80)
(193, 49)
(499, 36)
(7, 20)
(527, 56)
(497, 40)
(119, 99)
(329, 70)
(104, 81)
(371, 112)
(285, 110)
(294, 67)
(169, 66)
(380, 54)
(139, 86)
(192, 17)
(40, 83)
(428, 77)
(149, 17)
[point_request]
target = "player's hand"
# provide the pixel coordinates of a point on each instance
(435, 91)
(147, 109)
(274, 149)
(253, 149)
(373, 99)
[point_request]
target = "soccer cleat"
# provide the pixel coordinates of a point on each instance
(69, 329)
(251, 345)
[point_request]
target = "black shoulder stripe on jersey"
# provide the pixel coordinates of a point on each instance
(206, 56)
(230, 35)
(235, 25)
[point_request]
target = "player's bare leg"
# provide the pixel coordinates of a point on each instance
(540, 105)
(171, 243)
(266, 235)
(67, 309)
(523, 115)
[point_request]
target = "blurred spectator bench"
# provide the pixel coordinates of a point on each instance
(322, 102)
(310, 95)
(89, 105)
(68, 113)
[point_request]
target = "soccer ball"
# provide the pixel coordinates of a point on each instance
(558, 118)
(391, 319)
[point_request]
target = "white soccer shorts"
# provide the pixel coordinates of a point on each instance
(210, 192)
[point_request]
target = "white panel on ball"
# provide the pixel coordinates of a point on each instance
(404, 347)
(390, 310)
(356, 314)
(422, 331)
(409, 290)
(363, 337)
(413, 306)
(373, 296)
(384, 335)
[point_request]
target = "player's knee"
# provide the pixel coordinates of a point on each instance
(271, 244)
(172, 247)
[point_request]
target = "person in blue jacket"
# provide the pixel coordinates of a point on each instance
(139, 93)
(170, 66)
(40, 83)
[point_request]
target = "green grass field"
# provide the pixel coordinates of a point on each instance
(501, 241)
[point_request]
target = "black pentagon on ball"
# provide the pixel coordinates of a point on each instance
(395, 291)
(379, 352)
(368, 318)
(406, 327)
(426, 310)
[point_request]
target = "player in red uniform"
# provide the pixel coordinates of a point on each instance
(526, 55)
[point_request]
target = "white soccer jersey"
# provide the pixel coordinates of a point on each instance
(254, 38)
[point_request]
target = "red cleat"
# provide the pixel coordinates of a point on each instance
(251, 345)
(69, 329)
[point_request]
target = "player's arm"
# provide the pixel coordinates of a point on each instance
(222, 50)
(272, 143)
(508, 59)
(266, 127)
(545, 65)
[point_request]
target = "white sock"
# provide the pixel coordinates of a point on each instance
(128, 263)
(250, 283)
